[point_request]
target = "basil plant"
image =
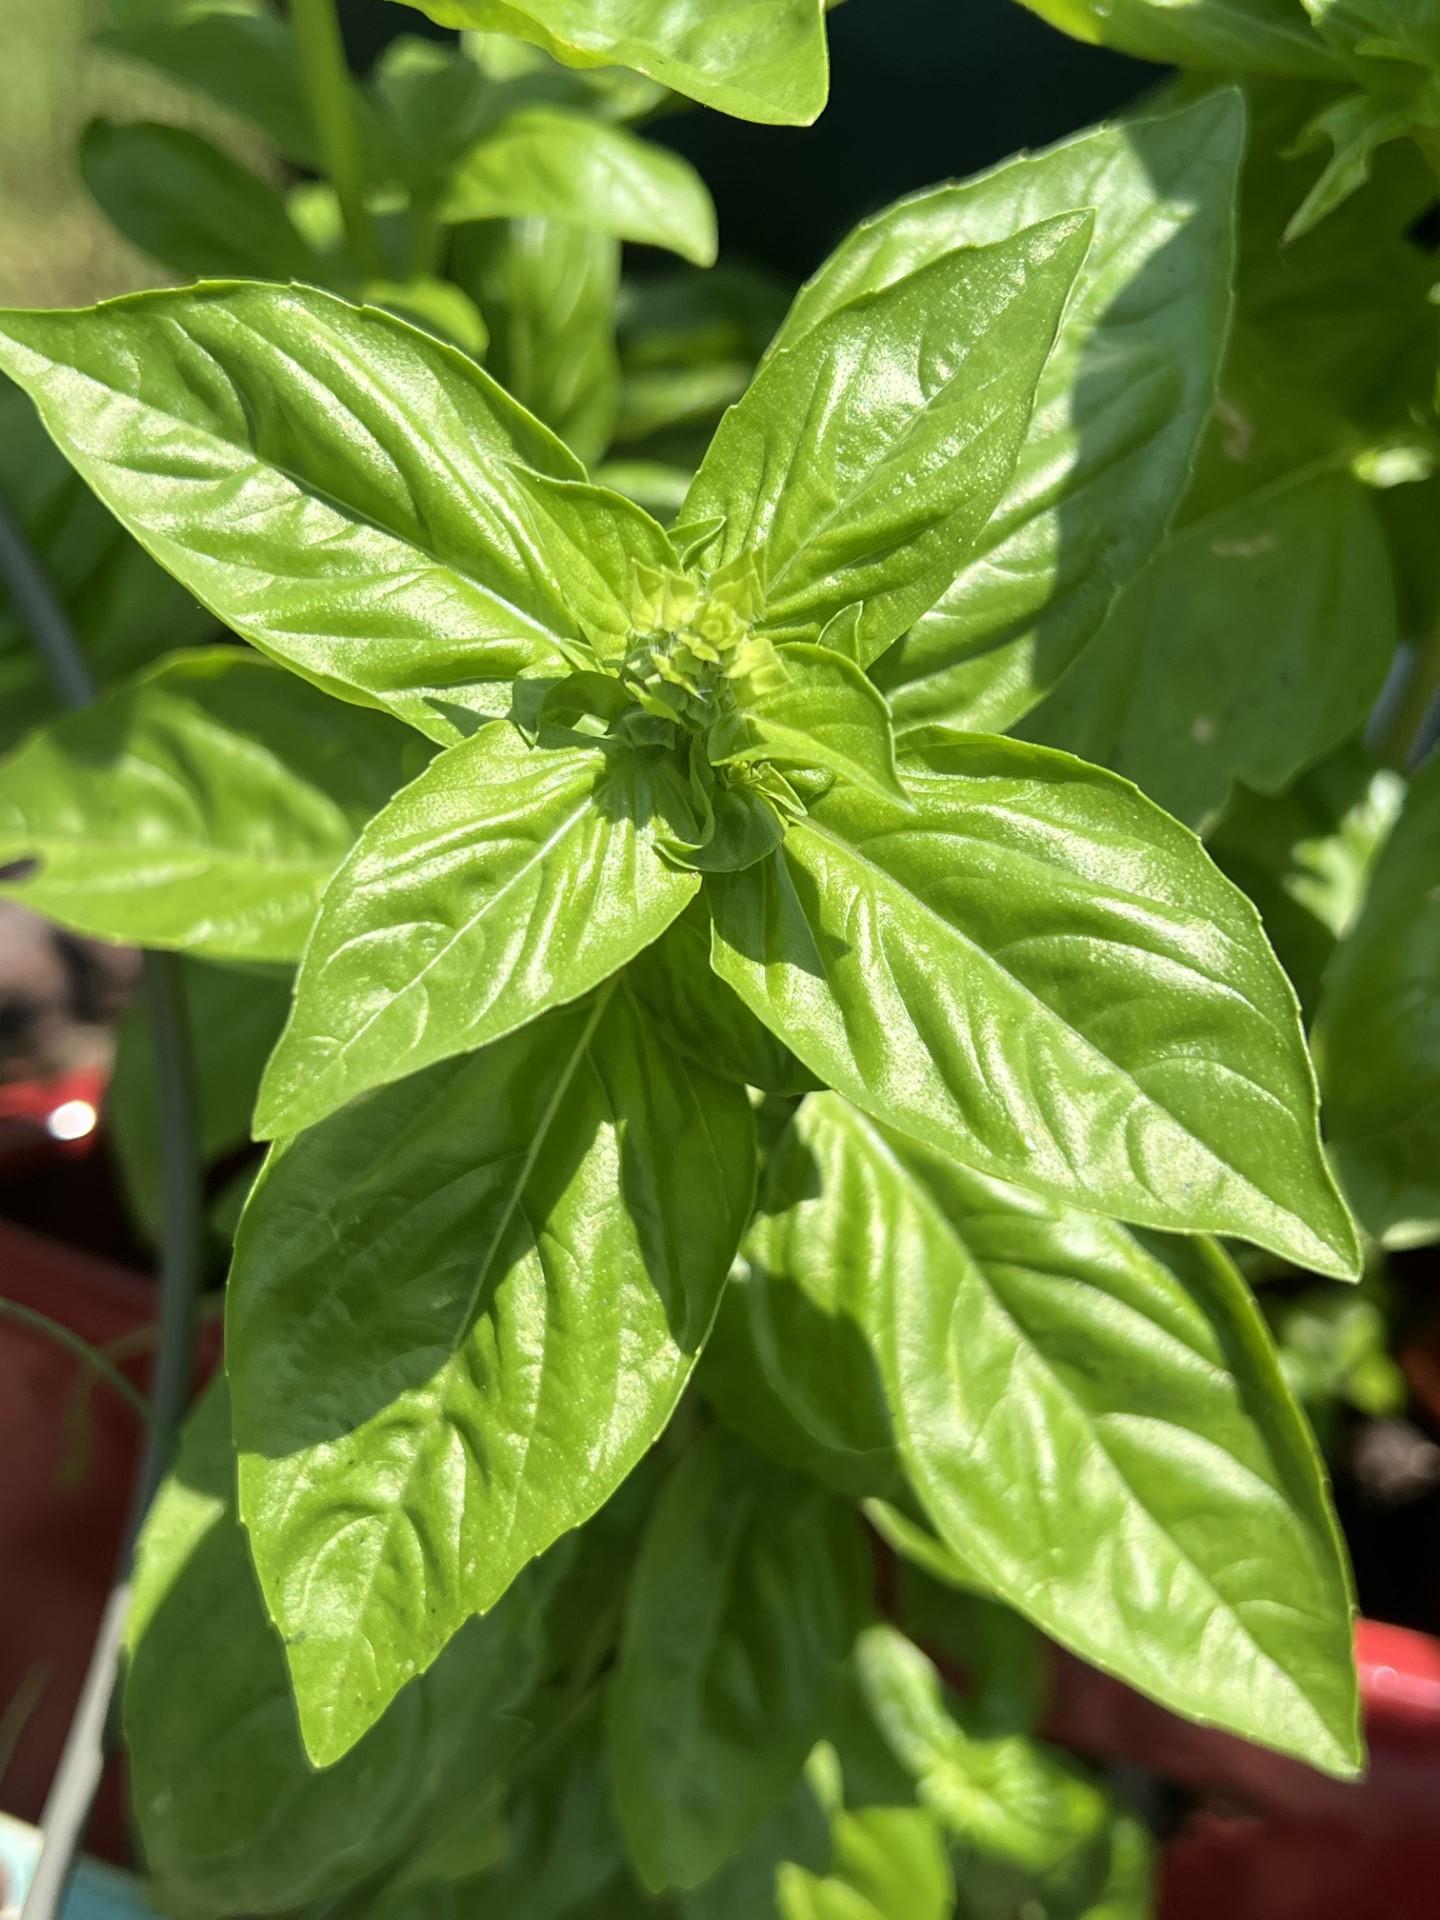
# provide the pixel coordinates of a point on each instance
(771, 1121)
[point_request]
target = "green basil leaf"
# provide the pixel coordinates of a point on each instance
(548, 292)
(1255, 642)
(233, 1816)
(345, 492)
(204, 805)
(235, 1019)
(246, 61)
(1305, 856)
(190, 205)
(439, 306)
(547, 163)
(865, 460)
(796, 1835)
(791, 1364)
(1028, 1345)
(891, 1863)
(768, 64)
(429, 1385)
(1120, 405)
(747, 1594)
(122, 608)
(1226, 36)
(1036, 970)
(811, 707)
(506, 880)
(676, 984)
(1026, 1820)
(1355, 128)
(1377, 1034)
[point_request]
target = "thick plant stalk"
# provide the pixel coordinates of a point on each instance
(327, 87)
(77, 1778)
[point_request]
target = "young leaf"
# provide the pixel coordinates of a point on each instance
(548, 292)
(546, 163)
(233, 1816)
(1257, 640)
(460, 1313)
(863, 463)
(891, 1863)
(765, 63)
(347, 493)
(204, 805)
(1036, 970)
(1098, 1428)
(1118, 411)
(189, 204)
(1377, 1034)
(1030, 1826)
(506, 880)
(812, 707)
(748, 1591)
(1226, 36)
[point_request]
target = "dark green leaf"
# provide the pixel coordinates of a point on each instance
(1378, 1033)
(204, 805)
(1036, 970)
(747, 1593)
(1119, 408)
(507, 880)
(352, 496)
(235, 1019)
(429, 1384)
(233, 1816)
(1257, 640)
(190, 205)
(768, 64)
(863, 463)
(547, 163)
(698, 1013)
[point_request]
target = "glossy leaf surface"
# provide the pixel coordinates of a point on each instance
(505, 881)
(866, 458)
(765, 63)
(546, 163)
(204, 805)
(1098, 1428)
(233, 1816)
(1034, 969)
(1120, 405)
(746, 1594)
(812, 708)
(1378, 1033)
(1245, 36)
(342, 490)
(429, 1385)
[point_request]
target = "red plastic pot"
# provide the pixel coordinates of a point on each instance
(1274, 1840)
(70, 1445)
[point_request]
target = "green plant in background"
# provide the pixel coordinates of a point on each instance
(738, 1082)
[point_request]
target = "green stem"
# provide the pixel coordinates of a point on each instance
(1404, 730)
(82, 1350)
(326, 77)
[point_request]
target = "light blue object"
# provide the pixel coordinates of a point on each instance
(96, 1892)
